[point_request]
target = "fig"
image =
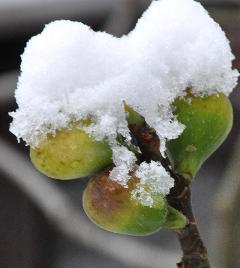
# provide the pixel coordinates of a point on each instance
(70, 154)
(112, 207)
(208, 121)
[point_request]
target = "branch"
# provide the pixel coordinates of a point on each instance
(194, 251)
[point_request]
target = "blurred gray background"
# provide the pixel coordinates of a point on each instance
(42, 223)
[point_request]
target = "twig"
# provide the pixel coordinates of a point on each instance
(194, 251)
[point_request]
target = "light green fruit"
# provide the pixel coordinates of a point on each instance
(110, 206)
(70, 154)
(208, 121)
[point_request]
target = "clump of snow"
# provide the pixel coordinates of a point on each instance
(104, 126)
(153, 179)
(142, 196)
(125, 161)
(69, 72)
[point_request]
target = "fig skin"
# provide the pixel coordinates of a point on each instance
(110, 206)
(208, 121)
(71, 154)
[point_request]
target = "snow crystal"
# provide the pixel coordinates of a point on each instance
(153, 179)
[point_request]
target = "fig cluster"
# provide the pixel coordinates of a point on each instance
(72, 154)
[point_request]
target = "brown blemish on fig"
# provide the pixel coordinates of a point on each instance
(109, 196)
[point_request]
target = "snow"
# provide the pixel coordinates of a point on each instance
(69, 73)
(124, 161)
(153, 179)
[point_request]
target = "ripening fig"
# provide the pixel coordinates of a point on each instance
(208, 121)
(70, 154)
(111, 206)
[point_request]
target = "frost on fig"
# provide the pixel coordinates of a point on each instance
(153, 180)
(69, 72)
(125, 162)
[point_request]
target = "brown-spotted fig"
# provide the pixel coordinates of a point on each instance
(112, 207)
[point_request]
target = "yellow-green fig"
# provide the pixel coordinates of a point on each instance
(70, 154)
(111, 206)
(208, 121)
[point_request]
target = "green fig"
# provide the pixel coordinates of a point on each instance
(111, 206)
(208, 121)
(71, 154)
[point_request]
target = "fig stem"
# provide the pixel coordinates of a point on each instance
(194, 252)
